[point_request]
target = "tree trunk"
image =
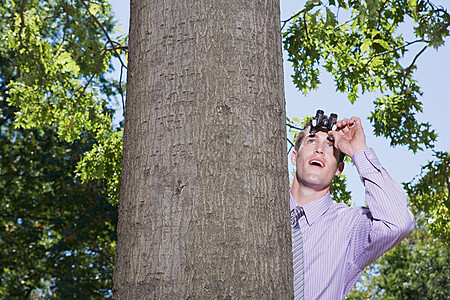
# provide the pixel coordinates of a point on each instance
(204, 210)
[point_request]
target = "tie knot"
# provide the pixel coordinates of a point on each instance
(296, 214)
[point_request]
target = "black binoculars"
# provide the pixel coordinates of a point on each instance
(322, 122)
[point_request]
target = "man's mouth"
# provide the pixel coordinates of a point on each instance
(316, 162)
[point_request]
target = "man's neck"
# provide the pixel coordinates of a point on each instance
(303, 194)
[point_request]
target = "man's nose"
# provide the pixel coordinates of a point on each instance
(319, 149)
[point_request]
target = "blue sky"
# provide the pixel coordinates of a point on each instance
(433, 75)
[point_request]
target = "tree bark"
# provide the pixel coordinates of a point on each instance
(204, 211)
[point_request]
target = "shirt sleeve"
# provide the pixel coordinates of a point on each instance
(387, 221)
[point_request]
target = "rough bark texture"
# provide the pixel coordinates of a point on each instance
(204, 211)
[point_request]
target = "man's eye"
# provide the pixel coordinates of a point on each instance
(330, 145)
(310, 141)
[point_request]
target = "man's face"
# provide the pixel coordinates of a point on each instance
(316, 161)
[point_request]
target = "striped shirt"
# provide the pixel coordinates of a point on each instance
(340, 241)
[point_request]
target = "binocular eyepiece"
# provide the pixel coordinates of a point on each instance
(322, 122)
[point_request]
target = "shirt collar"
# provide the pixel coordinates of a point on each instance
(314, 209)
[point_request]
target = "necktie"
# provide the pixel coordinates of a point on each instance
(297, 252)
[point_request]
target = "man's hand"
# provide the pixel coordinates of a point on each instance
(350, 138)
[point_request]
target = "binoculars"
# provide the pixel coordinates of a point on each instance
(322, 122)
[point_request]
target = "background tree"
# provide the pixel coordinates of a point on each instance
(57, 235)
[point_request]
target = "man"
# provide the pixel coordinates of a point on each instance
(332, 242)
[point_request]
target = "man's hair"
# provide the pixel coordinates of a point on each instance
(305, 132)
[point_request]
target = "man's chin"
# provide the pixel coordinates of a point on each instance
(315, 183)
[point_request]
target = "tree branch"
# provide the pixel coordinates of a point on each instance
(292, 145)
(287, 20)
(346, 22)
(104, 31)
(397, 48)
(117, 48)
(380, 10)
(97, 69)
(446, 163)
(409, 68)
(113, 48)
(22, 18)
(121, 91)
(292, 126)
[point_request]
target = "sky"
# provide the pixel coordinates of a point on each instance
(432, 74)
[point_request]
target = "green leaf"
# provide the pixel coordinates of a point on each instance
(383, 43)
(352, 97)
(310, 4)
(365, 45)
(374, 32)
(331, 18)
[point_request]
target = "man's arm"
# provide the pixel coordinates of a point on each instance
(389, 220)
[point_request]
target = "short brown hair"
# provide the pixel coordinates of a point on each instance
(305, 132)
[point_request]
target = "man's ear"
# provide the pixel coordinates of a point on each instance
(294, 157)
(340, 168)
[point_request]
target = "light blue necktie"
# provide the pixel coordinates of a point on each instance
(297, 252)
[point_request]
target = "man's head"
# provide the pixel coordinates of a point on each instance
(316, 159)
(304, 133)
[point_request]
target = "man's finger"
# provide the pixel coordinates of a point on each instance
(342, 123)
(355, 120)
(335, 134)
(345, 129)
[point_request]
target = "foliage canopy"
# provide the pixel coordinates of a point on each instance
(57, 234)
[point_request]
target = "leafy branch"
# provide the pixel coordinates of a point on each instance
(110, 41)
(22, 45)
(97, 69)
(113, 48)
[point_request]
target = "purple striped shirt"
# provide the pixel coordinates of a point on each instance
(340, 241)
